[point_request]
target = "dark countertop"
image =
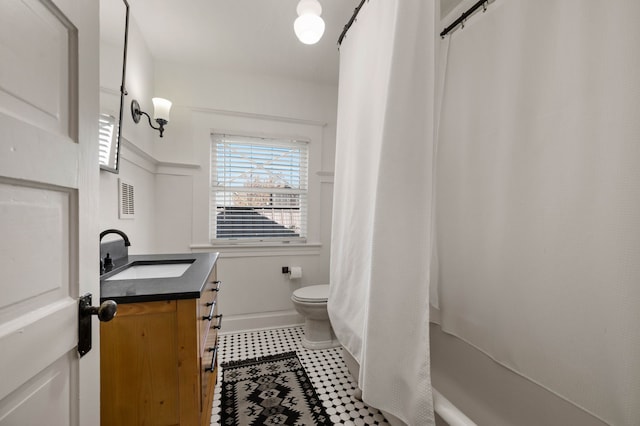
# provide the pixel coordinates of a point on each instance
(187, 286)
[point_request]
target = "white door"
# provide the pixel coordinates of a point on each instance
(48, 205)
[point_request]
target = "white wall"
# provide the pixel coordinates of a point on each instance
(141, 229)
(135, 167)
(256, 293)
(171, 175)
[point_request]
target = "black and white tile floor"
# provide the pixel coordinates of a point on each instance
(325, 368)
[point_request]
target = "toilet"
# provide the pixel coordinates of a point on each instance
(311, 303)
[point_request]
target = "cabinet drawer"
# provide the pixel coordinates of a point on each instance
(207, 311)
(209, 373)
(207, 297)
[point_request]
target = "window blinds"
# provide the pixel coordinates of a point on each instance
(258, 189)
(107, 134)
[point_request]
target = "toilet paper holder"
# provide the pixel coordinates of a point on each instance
(294, 272)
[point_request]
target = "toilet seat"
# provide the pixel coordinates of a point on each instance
(312, 294)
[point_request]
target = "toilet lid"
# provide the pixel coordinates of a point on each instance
(312, 293)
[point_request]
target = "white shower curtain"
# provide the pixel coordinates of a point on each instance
(538, 196)
(379, 293)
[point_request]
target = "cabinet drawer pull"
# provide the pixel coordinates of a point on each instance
(212, 367)
(217, 287)
(219, 325)
(210, 316)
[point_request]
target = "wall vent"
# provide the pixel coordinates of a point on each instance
(126, 200)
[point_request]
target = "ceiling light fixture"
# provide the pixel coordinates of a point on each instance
(309, 26)
(161, 109)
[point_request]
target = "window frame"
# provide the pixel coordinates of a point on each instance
(302, 191)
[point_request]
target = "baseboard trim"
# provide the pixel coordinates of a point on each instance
(260, 321)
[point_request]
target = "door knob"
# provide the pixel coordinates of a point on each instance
(105, 312)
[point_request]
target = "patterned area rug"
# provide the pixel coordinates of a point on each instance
(272, 390)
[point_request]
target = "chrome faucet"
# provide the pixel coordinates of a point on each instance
(106, 264)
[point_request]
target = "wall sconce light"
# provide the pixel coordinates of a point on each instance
(309, 26)
(161, 109)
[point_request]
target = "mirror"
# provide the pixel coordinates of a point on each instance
(114, 33)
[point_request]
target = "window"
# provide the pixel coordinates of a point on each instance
(258, 189)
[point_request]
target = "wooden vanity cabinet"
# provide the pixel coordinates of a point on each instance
(156, 361)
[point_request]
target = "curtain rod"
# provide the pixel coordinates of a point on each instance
(353, 18)
(444, 32)
(464, 16)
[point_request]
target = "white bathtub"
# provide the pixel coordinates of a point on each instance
(491, 394)
(469, 388)
(446, 412)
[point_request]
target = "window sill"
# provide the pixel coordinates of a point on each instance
(228, 250)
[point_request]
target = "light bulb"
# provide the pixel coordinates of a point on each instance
(309, 28)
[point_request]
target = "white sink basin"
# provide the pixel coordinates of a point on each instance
(157, 270)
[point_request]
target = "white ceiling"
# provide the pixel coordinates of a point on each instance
(249, 36)
(254, 36)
